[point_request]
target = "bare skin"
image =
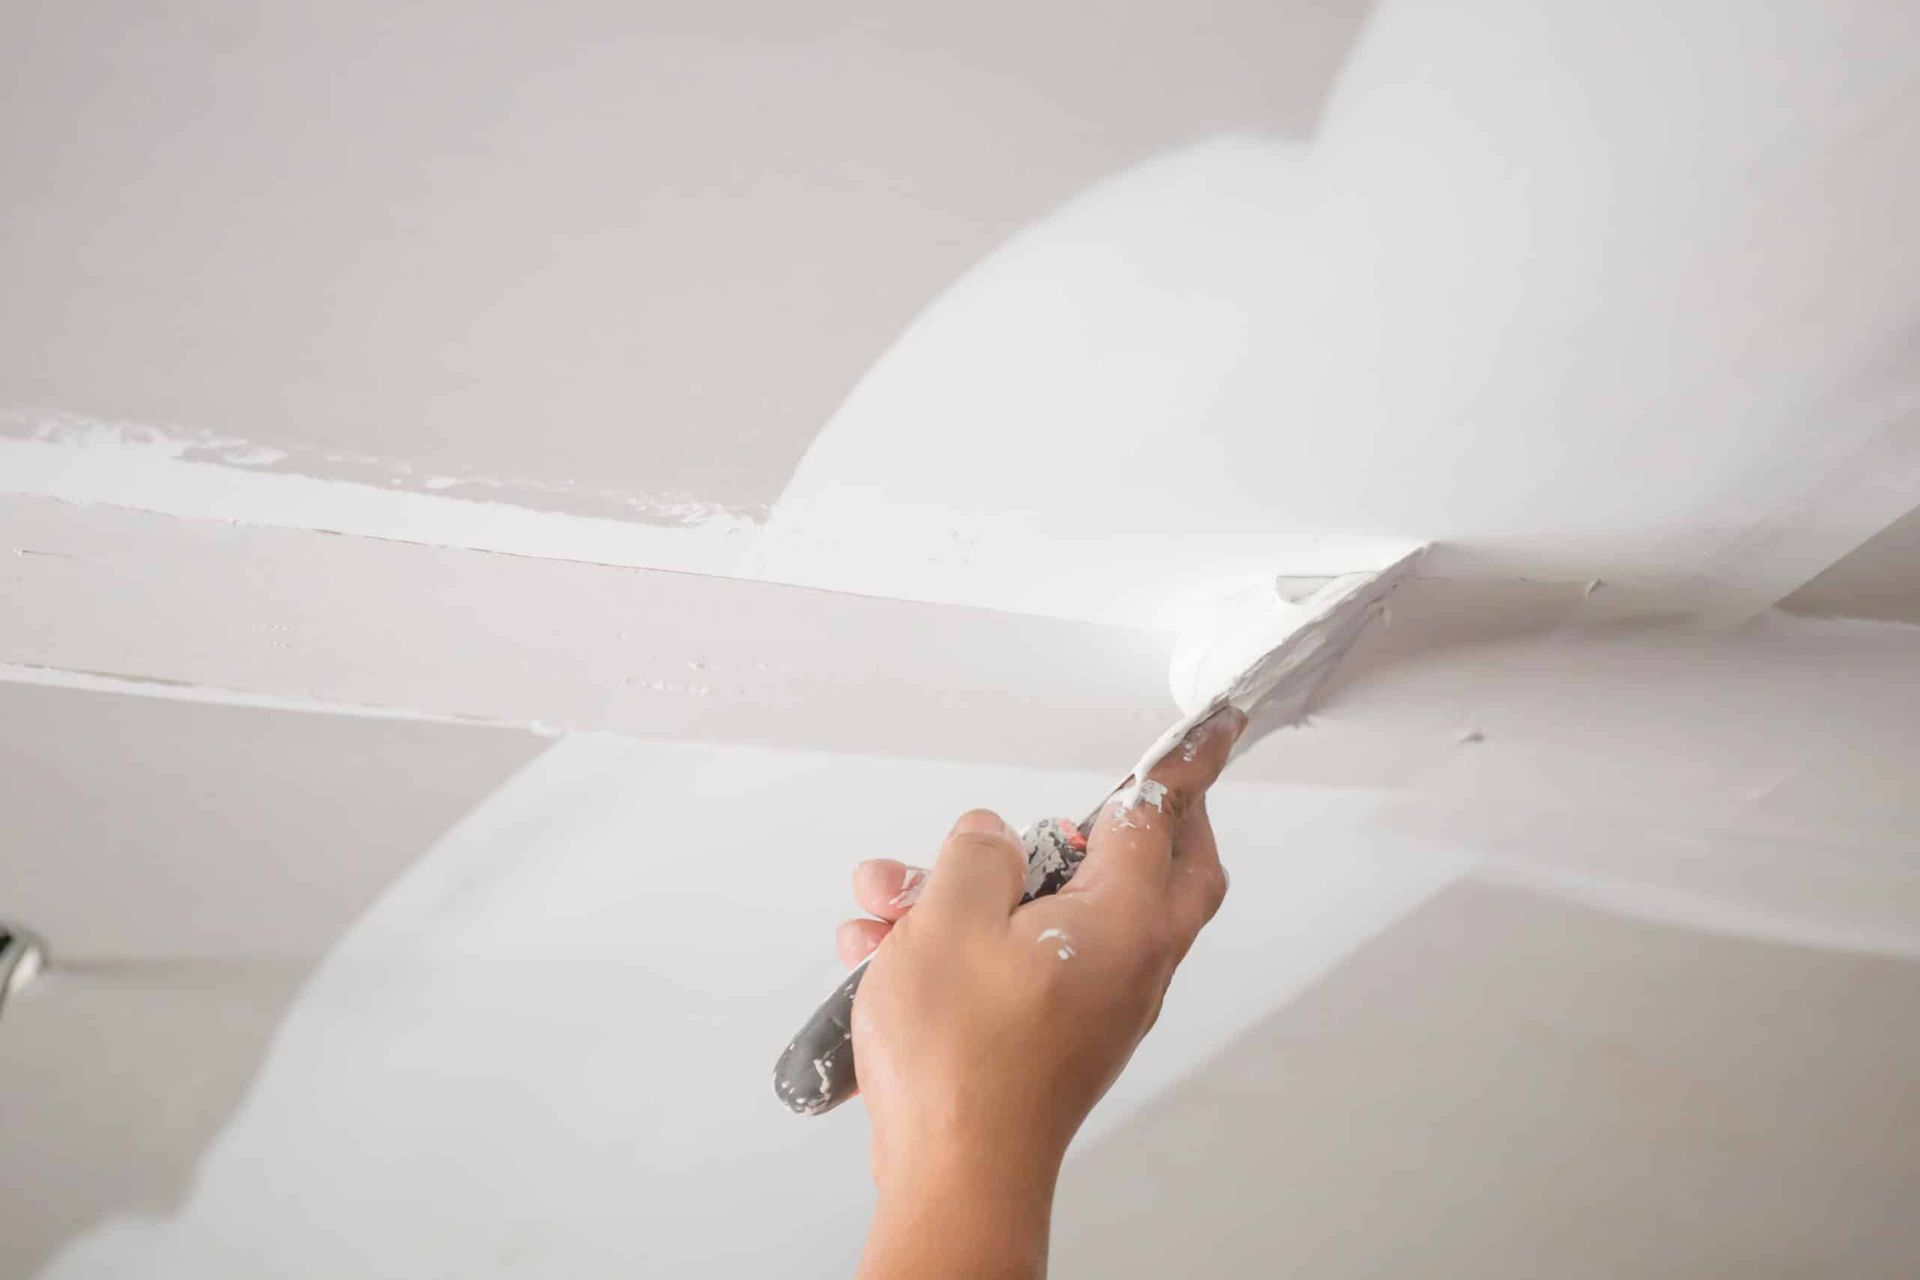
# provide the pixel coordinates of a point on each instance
(986, 1030)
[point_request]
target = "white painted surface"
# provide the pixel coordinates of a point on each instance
(1645, 319)
(142, 469)
(189, 865)
(291, 614)
(548, 1047)
(1621, 295)
(142, 830)
(1643, 312)
(592, 255)
(1505, 1087)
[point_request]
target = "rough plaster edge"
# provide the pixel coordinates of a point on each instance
(161, 478)
(671, 510)
(183, 691)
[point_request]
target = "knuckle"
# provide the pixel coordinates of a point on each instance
(969, 844)
(980, 829)
(1213, 890)
(982, 822)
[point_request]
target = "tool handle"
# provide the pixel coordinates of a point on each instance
(815, 1073)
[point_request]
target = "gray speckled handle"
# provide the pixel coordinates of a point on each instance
(815, 1073)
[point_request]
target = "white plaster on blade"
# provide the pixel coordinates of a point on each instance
(1263, 652)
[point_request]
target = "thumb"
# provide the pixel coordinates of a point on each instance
(980, 873)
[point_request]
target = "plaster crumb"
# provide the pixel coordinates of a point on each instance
(667, 686)
(1470, 735)
(1066, 953)
(1593, 585)
(1051, 933)
(254, 456)
(1153, 793)
(694, 664)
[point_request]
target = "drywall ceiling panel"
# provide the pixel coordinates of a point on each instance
(547, 1048)
(138, 827)
(118, 1077)
(368, 623)
(1851, 891)
(1505, 691)
(1507, 1087)
(604, 257)
(1788, 730)
(1644, 316)
(601, 970)
(1792, 726)
(1878, 579)
(1648, 318)
(187, 864)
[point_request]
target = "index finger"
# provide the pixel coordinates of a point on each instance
(1132, 840)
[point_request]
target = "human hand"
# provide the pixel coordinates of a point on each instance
(985, 1030)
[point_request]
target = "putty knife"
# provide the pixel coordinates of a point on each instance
(1264, 652)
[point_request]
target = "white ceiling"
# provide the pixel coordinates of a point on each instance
(703, 450)
(189, 863)
(603, 257)
(1505, 1087)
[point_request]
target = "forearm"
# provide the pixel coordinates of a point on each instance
(962, 1221)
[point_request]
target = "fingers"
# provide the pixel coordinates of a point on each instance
(1198, 883)
(1132, 843)
(856, 939)
(885, 888)
(980, 873)
(881, 887)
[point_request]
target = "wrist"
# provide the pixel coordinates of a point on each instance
(963, 1212)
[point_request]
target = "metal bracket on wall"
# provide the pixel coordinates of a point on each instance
(22, 956)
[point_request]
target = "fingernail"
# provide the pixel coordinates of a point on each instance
(910, 886)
